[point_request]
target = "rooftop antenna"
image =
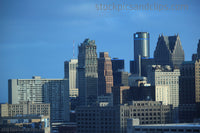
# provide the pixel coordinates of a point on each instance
(73, 49)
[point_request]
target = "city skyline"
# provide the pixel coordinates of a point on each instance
(36, 37)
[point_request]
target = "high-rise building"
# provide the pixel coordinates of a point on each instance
(166, 76)
(37, 90)
(87, 72)
(117, 65)
(72, 74)
(190, 82)
(141, 49)
(169, 51)
(120, 78)
(105, 74)
(141, 45)
(187, 83)
(118, 97)
(198, 50)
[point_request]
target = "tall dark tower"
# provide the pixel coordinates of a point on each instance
(169, 51)
(141, 49)
(87, 72)
(198, 50)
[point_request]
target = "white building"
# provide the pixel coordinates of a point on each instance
(162, 93)
(165, 76)
(72, 74)
(37, 90)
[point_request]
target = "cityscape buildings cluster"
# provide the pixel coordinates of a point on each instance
(98, 95)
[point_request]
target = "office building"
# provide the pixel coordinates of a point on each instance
(190, 82)
(166, 76)
(187, 83)
(118, 97)
(113, 119)
(105, 74)
(37, 90)
(169, 51)
(117, 65)
(135, 127)
(141, 49)
(72, 74)
(139, 93)
(105, 100)
(25, 108)
(120, 78)
(87, 72)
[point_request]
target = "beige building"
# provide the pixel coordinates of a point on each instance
(197, 81)
(72, 74)
(25, 108)
(162, 93)
(165, 76)
(105, 74)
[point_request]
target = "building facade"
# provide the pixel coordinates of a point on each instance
(105, 74)
(87, 72)
(25, 108)
(165, 76)
(37, 90)
(72, 74)
(135, 127)
(169, 51)
(141, 49)
(113, 119)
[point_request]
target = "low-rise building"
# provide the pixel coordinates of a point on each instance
(133, 126)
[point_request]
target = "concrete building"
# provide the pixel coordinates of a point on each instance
(105, 74)
(25, 108)
(87, 72)
(72, 74)
(162, 93)
(113, 119)
(37, 90)
(165, 76)
(135, 127)
(169, 51)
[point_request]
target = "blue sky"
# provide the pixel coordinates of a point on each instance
(36, 36)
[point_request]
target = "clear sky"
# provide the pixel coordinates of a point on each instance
(36, 36)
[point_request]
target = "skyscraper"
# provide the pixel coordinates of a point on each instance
(141, 49)
(105, 74)
(37, 90)
(87, 72)
(120, 78)
(198, 50)
(72, 74)
(169, 51)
